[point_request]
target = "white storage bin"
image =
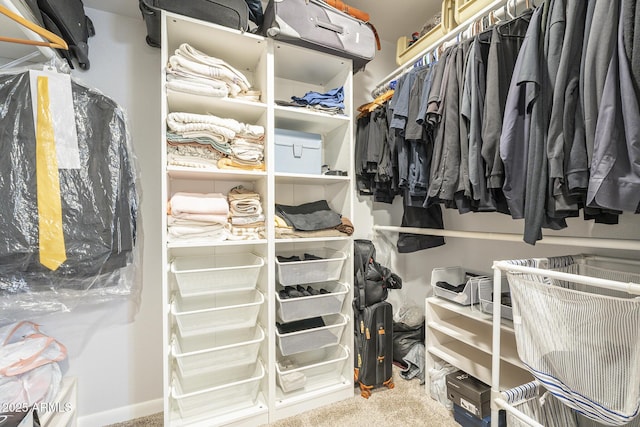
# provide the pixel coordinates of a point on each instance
(456, 276)
(312, 271)
(218, 398)
(311, 370)
(201, 275)
(485, 291)
(217, 312)
(216, 351)
(313, 339)
(312, 306)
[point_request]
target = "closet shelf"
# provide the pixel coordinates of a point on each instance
(225, 243)
(305, 120)
(472, 312)
(179, 172)
(306, 179)
(246, 111)
(313, 239)
(589, 242)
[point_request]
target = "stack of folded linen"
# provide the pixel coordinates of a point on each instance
(197, 216)
(315, 219)
(205, 140)
(246, 214)
(192, 71)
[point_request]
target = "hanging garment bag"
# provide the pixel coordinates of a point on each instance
(229, 13)
(374, 347)
(316, 25)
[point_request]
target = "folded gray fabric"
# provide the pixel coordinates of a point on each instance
(309, 216)
(415, 363)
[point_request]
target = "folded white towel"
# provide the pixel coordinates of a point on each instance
(197, 203)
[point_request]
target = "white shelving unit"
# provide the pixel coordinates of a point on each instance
(462, 336)
(62, 412)
(279, 71)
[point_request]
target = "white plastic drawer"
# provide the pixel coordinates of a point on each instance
(311, 369)
(456, 276)
(312, 271)
(216, 351)
(202, 275)
(217, 312)
(218, 399)
(312, 306)
(313, 339)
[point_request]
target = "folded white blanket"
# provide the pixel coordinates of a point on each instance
(189, 52)
(245, 207)
(183, 203)
(197, 86)
(184, 123)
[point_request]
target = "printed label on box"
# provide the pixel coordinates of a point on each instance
(469, 406)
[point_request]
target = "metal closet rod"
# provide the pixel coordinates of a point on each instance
(451, 35)
(591, 242)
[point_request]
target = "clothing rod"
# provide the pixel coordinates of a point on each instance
(450, 35)
(44, 50)
(632, 288)
(592, 242)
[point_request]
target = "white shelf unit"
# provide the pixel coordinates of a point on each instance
(462, 336)
(62, 412)
(279, 71)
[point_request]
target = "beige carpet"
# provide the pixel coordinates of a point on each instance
(405, 405)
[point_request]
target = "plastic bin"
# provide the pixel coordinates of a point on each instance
(456, 276)
(202, 275)
(217, 312)
(485, 292)
(314, 271)
(218, 398)
(313, 339)
(216, 351)
(312, 306)
(311, 370)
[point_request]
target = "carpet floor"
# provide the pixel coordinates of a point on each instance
(406, 405)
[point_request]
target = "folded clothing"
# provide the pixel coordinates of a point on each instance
(309, 216)
(296, 258)
(300, 291)
(183, 203)
(300, 325)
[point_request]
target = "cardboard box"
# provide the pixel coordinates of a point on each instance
(469, 393)
(298, 152)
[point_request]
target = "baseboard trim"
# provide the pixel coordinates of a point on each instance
(122, 414)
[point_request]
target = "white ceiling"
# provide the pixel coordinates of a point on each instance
(392, 19)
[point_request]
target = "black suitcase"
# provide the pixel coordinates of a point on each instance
(66, 18)
(374, 347)
(316, 25)
(229, 13)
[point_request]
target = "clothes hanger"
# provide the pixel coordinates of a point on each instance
(53, 41)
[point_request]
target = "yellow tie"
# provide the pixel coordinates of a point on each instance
(51, 237)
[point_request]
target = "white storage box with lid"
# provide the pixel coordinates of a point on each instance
(485, 293)
(298, 152)
(216, 351)
(312, 306)
(312, 370)
(219, 397)
(456, 276)
(314, 338)
(312, 271)
(216, 312)
(201, 275)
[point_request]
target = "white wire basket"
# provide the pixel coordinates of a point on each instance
(220, 396)
(303, 272)
(204, 275)
(312, 306)
(312, 370)
(215, 351)
(582, 344)
(485, 294)
(217, 312)
(313, 339)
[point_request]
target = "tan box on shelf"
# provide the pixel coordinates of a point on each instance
(465, 9)
(405, 53)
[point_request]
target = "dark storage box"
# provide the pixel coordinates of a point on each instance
(469, 393)
(467, 419)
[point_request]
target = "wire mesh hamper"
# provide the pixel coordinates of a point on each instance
(581, 342)
(326, 269)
